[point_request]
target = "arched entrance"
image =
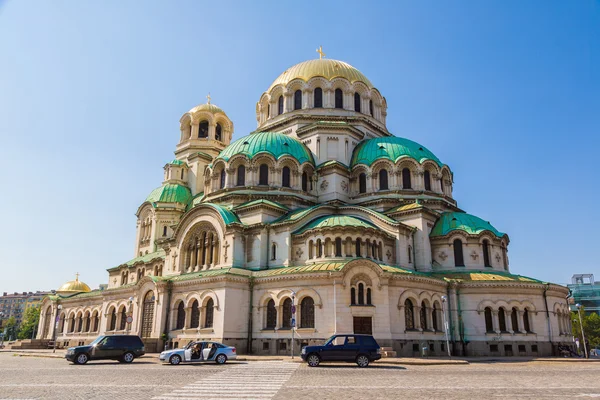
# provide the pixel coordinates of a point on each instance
(148, 314)
(47, 320)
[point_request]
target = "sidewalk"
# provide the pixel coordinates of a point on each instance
(60, 353)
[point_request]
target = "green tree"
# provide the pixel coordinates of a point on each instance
(591, 327)
(31, 318)
(10, 329)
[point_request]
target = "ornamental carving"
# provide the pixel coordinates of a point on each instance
(474, 255)
(344, 186)
(324, 185)
(442, 255)
(498, 257)
(361, 278)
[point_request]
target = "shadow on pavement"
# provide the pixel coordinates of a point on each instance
(351, 366)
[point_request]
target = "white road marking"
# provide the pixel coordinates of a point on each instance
(260, 380)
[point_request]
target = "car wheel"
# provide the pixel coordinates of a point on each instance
(221, 359)
(362, 361)
(81, 359)
(175, 360)
(313, 360)
(128, 357)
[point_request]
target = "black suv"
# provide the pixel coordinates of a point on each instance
(118, 347)
(361, 349)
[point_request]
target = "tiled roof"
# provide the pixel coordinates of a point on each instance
(479, 276)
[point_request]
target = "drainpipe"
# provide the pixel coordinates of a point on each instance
(547, 286)
(460, 323)
(166, 330)
(249, 344)
(268, 246)
(414, 252)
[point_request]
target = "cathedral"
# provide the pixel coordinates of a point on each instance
(319, 222)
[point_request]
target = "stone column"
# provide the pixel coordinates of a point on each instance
(495, 321)
(212, 131)
(194, 131)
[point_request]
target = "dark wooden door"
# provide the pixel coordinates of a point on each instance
(363, 325)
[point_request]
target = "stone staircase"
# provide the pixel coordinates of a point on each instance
(387, 352)
(27, 344)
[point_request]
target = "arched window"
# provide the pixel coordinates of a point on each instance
(285, 177)
(526, 325)
(504, 258)
(489, 325)
(307, 313)
(338, 247)
(427, 177)
(319, 248)
(458, 253)
(123, 318)
(423, 316)
(358, 248)
(339, 98)
(406, 178)
(280, 105)
(241, 176)
(501, 320)
(362, 183)
(195, 320)
(271, 315)
(263, 175)
(369, 296)
(164, 231)
(514, 319)
(222, 180)
(218, 132)
(371, 108)
(486, 253)
(353, 296)
(311, 249)
(304, 182)
(434, 319)
(79, 323)
(383, 179)
(286, 313)
(361, 294)
(356, 102)
(181, 174)
(113, 320)
(297, 99)
(273, 251)
(210, 312)
(318, 99)
(180, 316)
(95, 320)
(203, 129)
(409, 316)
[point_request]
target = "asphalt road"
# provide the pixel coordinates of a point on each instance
(47, 378)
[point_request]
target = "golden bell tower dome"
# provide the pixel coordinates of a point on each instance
(73, 287)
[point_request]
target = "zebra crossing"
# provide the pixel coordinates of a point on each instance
(258, 380)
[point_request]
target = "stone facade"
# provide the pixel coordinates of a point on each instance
(324, 211)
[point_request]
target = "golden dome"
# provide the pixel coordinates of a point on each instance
(324, 67)
(75, 286)
(211, 108)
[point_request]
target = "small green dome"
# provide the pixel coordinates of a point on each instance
(391, 148)
(273, 143)
(452, 221)
(331, 221)
(177, 162)
(170, 193)
(211, 108)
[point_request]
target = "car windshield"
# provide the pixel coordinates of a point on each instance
(190, 344)
(97, 340)
(335, 340)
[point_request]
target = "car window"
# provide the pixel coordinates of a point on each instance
(351, 340)
(110, 341)
(338, 341)
(368, 341)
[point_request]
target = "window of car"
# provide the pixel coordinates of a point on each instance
(351, 340)
(368, 341)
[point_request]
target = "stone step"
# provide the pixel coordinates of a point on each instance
(386, 354)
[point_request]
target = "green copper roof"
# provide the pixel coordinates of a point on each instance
(452, 221)
(170, 193)
(228, 216)
(327, 267)
(276, 144)
(481, 276)
(143, 259)
(177, 162)
(330, 221)
(392, 148)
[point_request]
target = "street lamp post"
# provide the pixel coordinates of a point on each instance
(1, 333)
(582, 332)
(444, 299)
(58, 309)
(293, 321)
(130, 317)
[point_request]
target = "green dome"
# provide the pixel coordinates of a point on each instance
(170, 193)
(177, 162)
(452, 221)
(391, 148)
(331, 221)
(276, 144)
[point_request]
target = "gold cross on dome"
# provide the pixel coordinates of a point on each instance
(208, 97)
(320, 51)
(77, 276)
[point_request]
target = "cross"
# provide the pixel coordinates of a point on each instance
(208, 97)
(320, 51)
(77, 276)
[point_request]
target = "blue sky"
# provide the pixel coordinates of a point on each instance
(506, 93)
